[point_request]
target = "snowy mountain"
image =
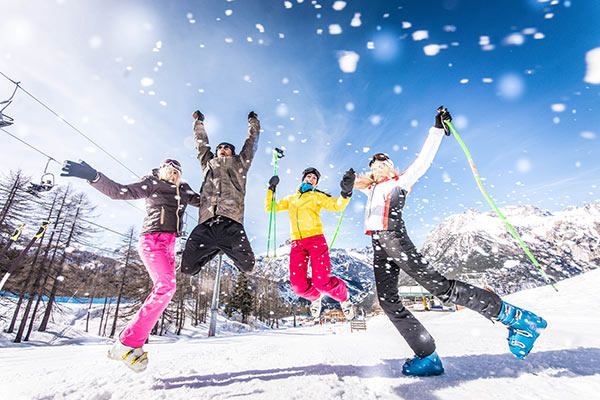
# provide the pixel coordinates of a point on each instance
(475, 247)
(478, 246)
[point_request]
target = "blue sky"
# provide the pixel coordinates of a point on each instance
(130, 73)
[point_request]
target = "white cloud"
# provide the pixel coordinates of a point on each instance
(558, 107)
(287, 4)
(260, 28)
(356, 20)
(592, 61)
(406, 25)
(348, 61)
(397, 89)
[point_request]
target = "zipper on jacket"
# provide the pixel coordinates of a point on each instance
(162, 215)
(177, 211)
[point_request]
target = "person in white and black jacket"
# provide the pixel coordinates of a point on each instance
(386, 191)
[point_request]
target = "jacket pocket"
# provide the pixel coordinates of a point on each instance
(162, 215)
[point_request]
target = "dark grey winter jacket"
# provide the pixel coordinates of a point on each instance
(224, 186)
(165, 201)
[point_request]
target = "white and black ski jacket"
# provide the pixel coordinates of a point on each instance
(385, 200)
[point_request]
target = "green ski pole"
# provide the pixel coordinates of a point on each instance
(277, 154)
(489, 200)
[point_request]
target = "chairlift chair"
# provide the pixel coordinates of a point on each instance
(5, 120)
(46, 182)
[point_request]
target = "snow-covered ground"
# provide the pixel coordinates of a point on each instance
(331, 362)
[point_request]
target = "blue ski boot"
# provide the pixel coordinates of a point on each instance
(524, 327)
(426, 366)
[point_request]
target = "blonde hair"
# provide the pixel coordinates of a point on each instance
(167, 172)
(364, 181)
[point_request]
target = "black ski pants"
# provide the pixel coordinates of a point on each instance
(393, 250)
(211, 237)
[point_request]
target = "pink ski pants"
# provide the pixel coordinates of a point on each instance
(314, 248)
(157, 251)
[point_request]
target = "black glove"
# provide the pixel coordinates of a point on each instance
(273, 182)
(198, 115)
(252, 114)
(443, 115)
(347, 183)
(79, 170)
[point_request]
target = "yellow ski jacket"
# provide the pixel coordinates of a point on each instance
(304, 209)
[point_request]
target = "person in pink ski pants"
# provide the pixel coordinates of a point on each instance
(166, 199)
(308, 241)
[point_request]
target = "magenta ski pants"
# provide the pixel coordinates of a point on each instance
(157, 251)
(314, 248)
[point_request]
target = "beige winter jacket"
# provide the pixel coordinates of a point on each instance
(224, 186)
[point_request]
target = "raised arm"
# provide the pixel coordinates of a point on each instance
(429, 150)
(280, 205)
(102, 183)
(251, 143)
(333, 204)
(117, 191)
(201, 139)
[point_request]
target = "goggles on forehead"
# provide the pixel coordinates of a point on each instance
(224, 146)
(379, 157)
(171, 163)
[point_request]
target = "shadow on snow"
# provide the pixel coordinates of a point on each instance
(554, 363)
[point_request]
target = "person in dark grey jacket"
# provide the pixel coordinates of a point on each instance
(166, 199)
(222, 193)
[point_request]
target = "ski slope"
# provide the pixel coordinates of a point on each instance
(330, 362)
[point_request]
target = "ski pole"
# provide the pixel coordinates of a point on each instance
(489, 200)
(277, 153)
(337, 230)
(13, 238)
(17, 260)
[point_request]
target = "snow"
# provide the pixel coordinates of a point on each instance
(592, 60)
(420, 35)
(335, 29)
(329, 360)
(348, 61)
(588, 135)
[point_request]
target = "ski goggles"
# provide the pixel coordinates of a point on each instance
(379, 157)
(171, 163)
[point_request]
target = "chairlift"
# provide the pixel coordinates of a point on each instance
(5, 120)
(46, 182)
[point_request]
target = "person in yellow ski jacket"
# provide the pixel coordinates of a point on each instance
(308, 241)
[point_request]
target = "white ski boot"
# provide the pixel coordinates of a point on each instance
(135, 358)
(315, 308)
(348, 309)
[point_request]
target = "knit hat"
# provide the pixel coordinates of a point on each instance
(232, 147)
(311, 170)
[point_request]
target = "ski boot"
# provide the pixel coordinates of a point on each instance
(426, 366)
(348, 309)
(135, 358)
(524, 327)
(315, 308)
